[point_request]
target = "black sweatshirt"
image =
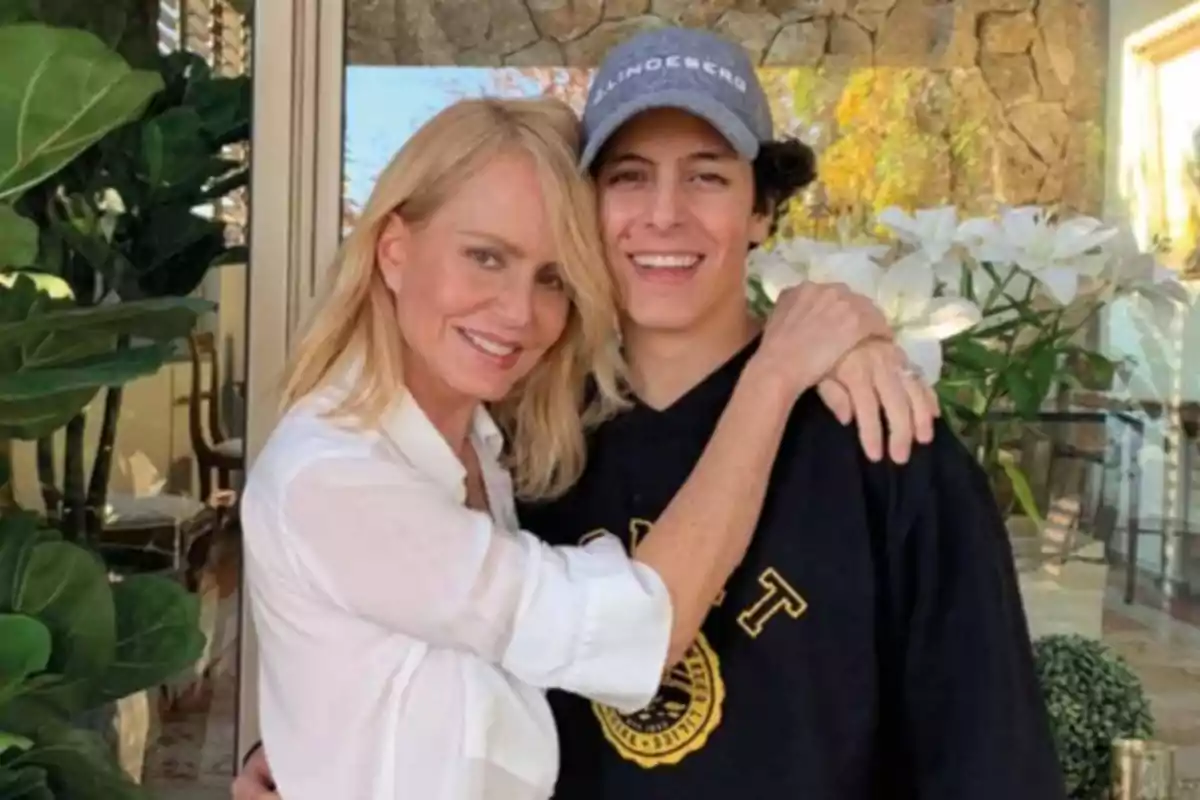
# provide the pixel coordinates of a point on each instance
(872, 643)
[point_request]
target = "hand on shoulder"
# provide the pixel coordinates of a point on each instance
(828, 336)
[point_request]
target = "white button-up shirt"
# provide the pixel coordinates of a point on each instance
(406, 639)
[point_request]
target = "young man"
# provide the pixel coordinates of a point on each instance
(872, 643)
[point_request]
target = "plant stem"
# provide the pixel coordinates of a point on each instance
(73, 527)
(990, 439)
(8, 500)
(97, 491)
(1009, 346)
(48, 478)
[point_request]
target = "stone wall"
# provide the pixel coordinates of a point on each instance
(1032, 72)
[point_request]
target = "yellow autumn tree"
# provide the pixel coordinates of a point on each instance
(881, 154)
(885, 136)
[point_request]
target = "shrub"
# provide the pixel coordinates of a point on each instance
(1093, 698)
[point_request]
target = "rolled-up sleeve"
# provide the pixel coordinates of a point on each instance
(387, 546)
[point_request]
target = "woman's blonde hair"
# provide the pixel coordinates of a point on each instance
(546, 415)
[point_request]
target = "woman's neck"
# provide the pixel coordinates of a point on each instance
(451, 414)
(664, 365)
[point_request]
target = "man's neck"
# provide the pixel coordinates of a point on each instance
(666, 365)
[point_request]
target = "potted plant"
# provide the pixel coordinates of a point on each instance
(73, 643)
(993, 309)
(1094, 700)
(73, 640)
(125, 220)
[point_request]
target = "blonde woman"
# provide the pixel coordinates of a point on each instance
(408, 625)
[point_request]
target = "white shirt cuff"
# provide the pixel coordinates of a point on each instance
(617, 618)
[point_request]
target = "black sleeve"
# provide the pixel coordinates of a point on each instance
(967, 699)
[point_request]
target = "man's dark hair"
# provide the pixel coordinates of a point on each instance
(781, 169)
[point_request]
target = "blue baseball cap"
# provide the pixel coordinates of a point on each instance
(690, 70)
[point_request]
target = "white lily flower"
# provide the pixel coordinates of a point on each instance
(1054, 255)
(933, 231)
(1002, 282)
(775, 271)
(920, 320)
(1130, 270)
(794, 261)
(904, 292)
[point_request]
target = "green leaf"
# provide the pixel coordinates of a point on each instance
(32, 419)
(44, 697)
(92, 372)
(177, 250)
(1093, 370)
(111, 22)
(12, 741)
(234, 255)
(85, 229)
(63, 90)
(79, 765)
(158, 635)
(164, 319)
(174, 149)
(18, 238)
(1021, 488)
(27, 783)
(1042, 367)
(35, 402)
(54, 357)
(24, 649)
(973, 356)
(224, 107)
(19, 532)
(12, 11)
(1020, 388)
(67, 588)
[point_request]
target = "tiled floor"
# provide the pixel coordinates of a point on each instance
(193, 758)
(1165, 653)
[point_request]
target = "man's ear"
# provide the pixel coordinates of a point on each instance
(391, 251)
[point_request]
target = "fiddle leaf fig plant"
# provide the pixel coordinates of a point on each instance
(73, 638)
(55, 357)
(64, 91)
(120, 217)
(18, 238)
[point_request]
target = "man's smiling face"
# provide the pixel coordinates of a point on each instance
(676, 209)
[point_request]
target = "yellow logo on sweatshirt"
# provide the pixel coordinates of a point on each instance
(679, 720)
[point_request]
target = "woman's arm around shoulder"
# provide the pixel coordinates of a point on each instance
(384, 544)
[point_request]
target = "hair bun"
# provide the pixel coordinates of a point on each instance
(781, 169)
(785, 167)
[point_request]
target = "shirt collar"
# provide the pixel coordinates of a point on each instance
(409, 428)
